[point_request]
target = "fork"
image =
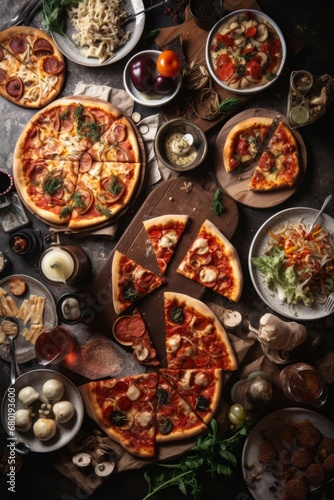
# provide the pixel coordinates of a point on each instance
(27, 10)
(329, 304)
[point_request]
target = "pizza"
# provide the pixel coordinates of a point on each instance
(58, 173)
(265, 147)
(32, 68)
(130, 330)
(130, 281)
(244, 141)
(213, 262)
(199, 387)
(139, 411)
(246, 51)
(124, 408)
(175, 419)
(278, 166)
(194, 336)
(164, 233)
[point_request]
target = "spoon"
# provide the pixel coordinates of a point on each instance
(325, 203)
(23, 13)
(132, 16)
(10, 326)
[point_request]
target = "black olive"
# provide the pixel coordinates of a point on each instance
(165, 426)
(162, 396)
(177, 315)
(130, 293)
(118, 418)
(202, 403)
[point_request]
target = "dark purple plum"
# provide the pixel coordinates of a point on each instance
(142, 73)
(163, 85)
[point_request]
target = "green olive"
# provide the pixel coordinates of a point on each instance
(237, 414)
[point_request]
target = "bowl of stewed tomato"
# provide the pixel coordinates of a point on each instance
(245, 52)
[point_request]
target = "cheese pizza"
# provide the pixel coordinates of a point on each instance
(32, 69)
(213, 261)
(57, 172)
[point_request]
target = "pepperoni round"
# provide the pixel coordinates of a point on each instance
(120, 387)
(119, 132)
(254, 70)
(87, 200)
(86, 162)
(42, 45)
(14, 87)
(225, 67)
(114, 189)
(201, 359)
(18, 44)
(3, 75)
(2, 55)
(136, 327)
(52, 65)
(124, 403)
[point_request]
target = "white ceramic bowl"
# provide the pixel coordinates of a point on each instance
(239, 84)
(141, 98)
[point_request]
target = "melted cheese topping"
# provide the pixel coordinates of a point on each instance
(133, 392)
(201, 379)
(208, 275)
(201, 246)
(144, 418)
(168, 240)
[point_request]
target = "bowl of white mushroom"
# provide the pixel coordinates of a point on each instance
(42, 411)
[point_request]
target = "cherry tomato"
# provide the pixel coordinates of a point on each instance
(168, 63)
(237, 414)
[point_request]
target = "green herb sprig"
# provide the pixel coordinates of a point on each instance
(217, 203)
(54, 15)
(229, 104)
(211, 454)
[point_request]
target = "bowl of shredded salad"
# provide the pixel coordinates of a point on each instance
(292, 270)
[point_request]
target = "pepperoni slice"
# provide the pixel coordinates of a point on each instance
(114, 188)
(18, 44)
(225, 67)
(42, 45)
(52, 65)
(3, 75)
(254, 70)
(86, 162)
(14, 87)
(124, 403)
(120, 387)
(136, 327)
(201, 359)
(2, 55)
(119, 131)
(87, 199)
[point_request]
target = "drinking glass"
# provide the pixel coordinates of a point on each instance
(301, 382)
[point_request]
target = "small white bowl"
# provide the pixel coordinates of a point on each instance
(141, 98)
(211, 40)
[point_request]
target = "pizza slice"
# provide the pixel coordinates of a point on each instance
(118, 144)
(102, 192)
(47, 187)
(130, 330)
(164, 232)
(124, 408)
(20, 85)
(131, 281)
(245, 141)
(175, 419)
(213, 262)
(199, 387)
(278, 165)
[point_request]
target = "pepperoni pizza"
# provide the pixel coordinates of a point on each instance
(164, 232)
(142, 410)
(213, 261)
(56, 169)
(32, 69)
(270, 149)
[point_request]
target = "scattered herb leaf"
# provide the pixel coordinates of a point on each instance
(54, 15)
(217, 203)
(229, 104)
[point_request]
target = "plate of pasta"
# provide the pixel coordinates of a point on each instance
(291, 270)
(95, 34)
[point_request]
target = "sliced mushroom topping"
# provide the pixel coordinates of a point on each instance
(104, 469)
(262, 33)
(238, 28)
(261, 58)
(140, 352)
(82, 460)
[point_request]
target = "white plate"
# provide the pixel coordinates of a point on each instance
(25, 350)
(65, 432)
(136, 27)
(260, 489)
(258, 248)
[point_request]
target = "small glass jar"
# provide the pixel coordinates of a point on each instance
(301, 383)
(25, 242)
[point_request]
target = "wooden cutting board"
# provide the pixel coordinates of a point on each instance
(193, 40)
(168, 197)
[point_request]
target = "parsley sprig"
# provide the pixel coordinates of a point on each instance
(54, 15)
(217, 203)
(211, 454)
